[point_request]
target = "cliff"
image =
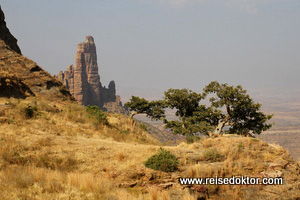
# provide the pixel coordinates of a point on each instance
(20, 77)
(6, 36)
(83, 80)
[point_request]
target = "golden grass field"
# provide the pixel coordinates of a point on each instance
(61, 153)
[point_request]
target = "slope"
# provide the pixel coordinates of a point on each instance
(20, 77)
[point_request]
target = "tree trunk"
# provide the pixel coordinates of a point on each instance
(133, 113)
(219, 129)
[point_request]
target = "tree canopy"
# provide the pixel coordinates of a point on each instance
(229, 105)
(243, 115)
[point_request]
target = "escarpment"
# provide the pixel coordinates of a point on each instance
(21, 77)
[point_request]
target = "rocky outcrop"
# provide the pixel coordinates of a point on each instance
(6, 36)
(11, 86)
(21, 77)
(83, 80)
(114, 106)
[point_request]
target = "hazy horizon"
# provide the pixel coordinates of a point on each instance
(148, 46)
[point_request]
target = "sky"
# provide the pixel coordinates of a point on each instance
(149, 46)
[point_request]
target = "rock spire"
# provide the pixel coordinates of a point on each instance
(83, 80)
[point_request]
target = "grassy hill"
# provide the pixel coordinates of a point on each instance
(62, 152)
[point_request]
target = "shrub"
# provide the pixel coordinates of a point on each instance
(240, 147)
(190, 138)
(143, 126)
(212, 155)
(29, 111)
(162, 161)
(97, 114)
(125, 132)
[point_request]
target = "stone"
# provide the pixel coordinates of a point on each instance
(83, 80)
(166, 185)
(21, 77)
(128, 184)
(6, 36)
(272, 173)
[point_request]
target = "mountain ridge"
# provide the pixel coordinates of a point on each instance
(21, 77)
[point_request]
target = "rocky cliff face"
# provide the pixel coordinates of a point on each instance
(6, 36)
(83, 80)
(21, 77)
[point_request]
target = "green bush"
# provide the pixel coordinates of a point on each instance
(212, 155)
(97, 114)
(29, 111)
(125, 132)
(143, 126)
(163, 161)
(190, 138)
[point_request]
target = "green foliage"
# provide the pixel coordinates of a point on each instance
(203, 120)
(163, 161)
(97, 114)
(190, 138)
(125, 132)
(29, 111)
(153, 109)
(143, 126)
(184, 101)
(240, 145)
(212, 155)
(140, 105)
(242, 114)
(193, 117)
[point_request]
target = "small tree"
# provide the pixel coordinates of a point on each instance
(241, 113)
(153, 109)
(184, 101)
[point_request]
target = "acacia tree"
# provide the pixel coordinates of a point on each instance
(241, 113)
(153, 109)
(193, 117)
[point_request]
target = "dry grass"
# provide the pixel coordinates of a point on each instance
(189, 197)
(71, 119)
(121, 156)
(59, 154)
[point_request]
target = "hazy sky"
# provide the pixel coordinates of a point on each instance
(148, 46)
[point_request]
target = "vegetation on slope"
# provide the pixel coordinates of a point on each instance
(20, 77)
(61, 153)
(69, 118)
(242, 114)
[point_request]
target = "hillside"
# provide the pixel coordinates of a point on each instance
(21, 77)
(62, 153)
(284, 104)
(156, 129)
